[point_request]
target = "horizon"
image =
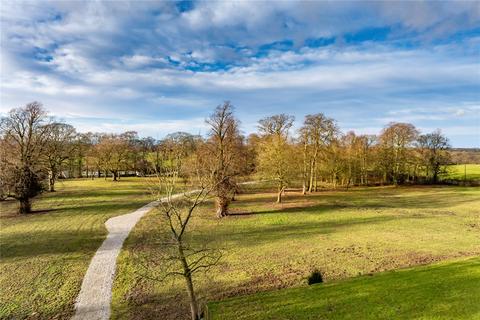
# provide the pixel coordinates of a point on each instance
(162, 67)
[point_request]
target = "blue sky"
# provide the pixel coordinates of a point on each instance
(159, 67)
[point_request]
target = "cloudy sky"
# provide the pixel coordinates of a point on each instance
(158, 67)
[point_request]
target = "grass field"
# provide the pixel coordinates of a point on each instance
(269, 246)
(457, 172)
(45, 255)
(440, 291)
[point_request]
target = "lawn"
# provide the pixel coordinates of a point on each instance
(440, 291)
(457, 172)
(44, 255)
(268, 246)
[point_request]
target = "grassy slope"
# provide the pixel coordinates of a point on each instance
(441, 291)
(345, 234)
(45, 255)
(457, 172)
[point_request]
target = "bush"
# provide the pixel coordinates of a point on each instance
(315, 277)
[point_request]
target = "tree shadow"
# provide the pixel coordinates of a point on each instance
(400, 198)
(436, 289)
(45, 242)
(291, 230)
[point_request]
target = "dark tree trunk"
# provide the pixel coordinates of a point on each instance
(25, 206)
(114, 177)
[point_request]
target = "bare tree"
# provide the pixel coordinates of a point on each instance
(222, 155)
(60, 146)
(112, 153)
(83, 143)
(178, 256)
(317, 133)
(395, 142)
(24, 134)
(433, 153)
(366, 156)
(144, 147)
(276, 156)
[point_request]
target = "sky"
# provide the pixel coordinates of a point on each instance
(158, 67)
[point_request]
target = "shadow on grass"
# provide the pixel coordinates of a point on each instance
(290, 230)
(31, 242)
(95, 193)
(41, 242)
(439, 291)
(366, 199)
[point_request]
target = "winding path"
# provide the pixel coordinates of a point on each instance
(93, 301)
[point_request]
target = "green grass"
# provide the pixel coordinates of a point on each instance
(457, 172)
(268, 246)
(440, 291)
(45, 255)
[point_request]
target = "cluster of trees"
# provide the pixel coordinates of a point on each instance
(322, 155)
(465, 156)
(36, 150)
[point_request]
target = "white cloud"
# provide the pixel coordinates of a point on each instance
(115, 59)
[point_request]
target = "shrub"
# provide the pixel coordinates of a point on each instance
(315, 277)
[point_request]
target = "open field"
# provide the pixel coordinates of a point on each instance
(440, 291)
(269, 246)
(45, 255)
(457, 172)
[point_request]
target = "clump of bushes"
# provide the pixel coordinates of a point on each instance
(315, 277)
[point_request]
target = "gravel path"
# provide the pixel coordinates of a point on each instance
(95, 296)
(93, 301)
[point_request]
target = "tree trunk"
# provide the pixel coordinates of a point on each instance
(222, 206)
(25, 206)
(114, 177)
(187, 274)
(279, 195)
(192, 298)
(435, 176)
(305, 174)
(312, 165)
(51, 183)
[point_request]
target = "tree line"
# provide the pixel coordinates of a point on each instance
(36, 150)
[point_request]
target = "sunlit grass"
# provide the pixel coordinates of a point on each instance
(467, 172)
(44, 255)
(440, 291)
(343, 233)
